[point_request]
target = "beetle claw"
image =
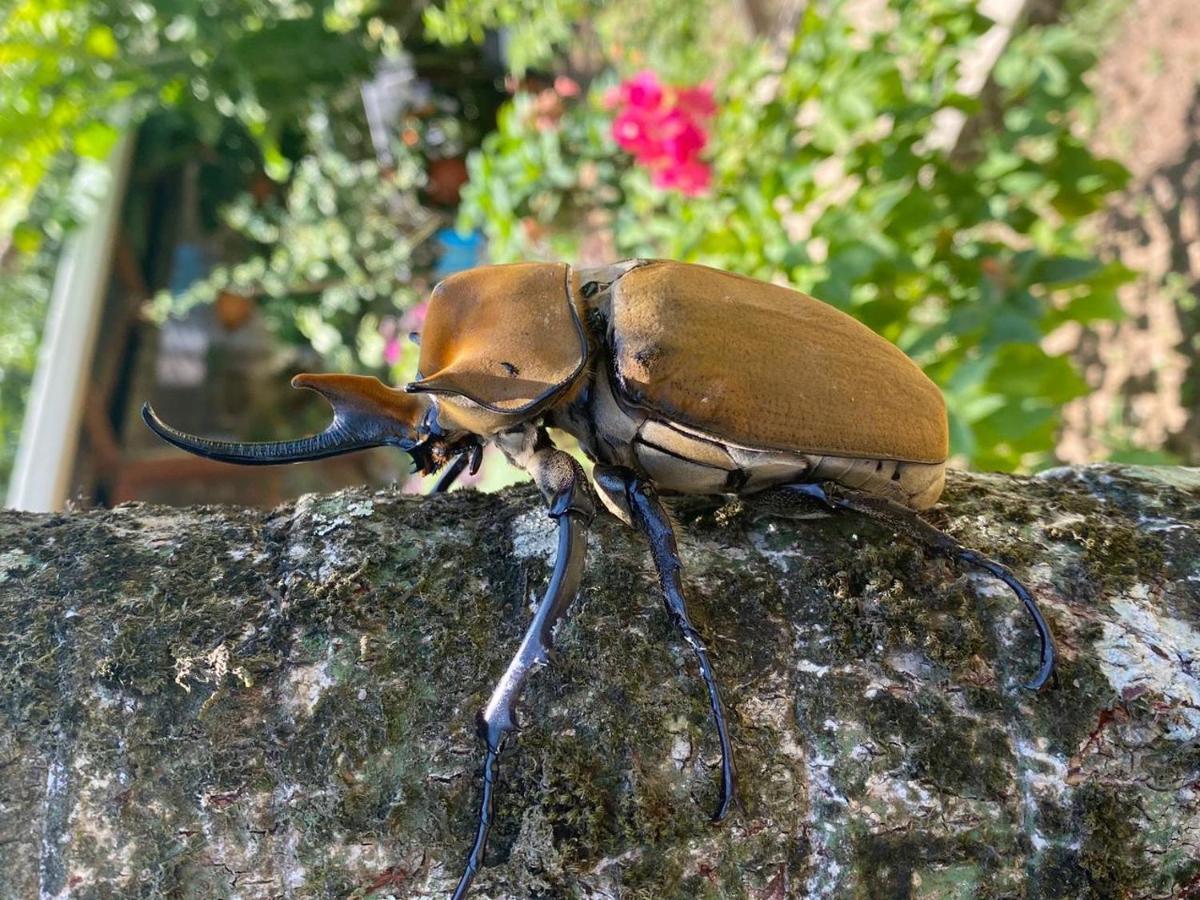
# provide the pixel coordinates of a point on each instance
(487, 808)
(450, 475)
(1046, 661)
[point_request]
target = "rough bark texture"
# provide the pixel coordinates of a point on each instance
(221, 702)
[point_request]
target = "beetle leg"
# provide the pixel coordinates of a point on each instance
(472, 456)
(913, 526)
(635, 497)
(450, 475)
(565, 487)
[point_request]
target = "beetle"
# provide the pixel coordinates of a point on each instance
(675, 379)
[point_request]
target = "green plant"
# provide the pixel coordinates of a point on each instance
(679, 35)
(537, 30)
(329, 257)
(74, 73)
(825, 177)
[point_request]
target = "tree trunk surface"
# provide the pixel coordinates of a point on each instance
(235, 703)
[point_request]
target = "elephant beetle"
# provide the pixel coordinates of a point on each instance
(674, 379)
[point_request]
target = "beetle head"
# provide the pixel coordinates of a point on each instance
(366, 413)
(501, 343)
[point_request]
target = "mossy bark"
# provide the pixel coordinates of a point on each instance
(222, 702)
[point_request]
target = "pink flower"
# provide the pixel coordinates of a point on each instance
(662, 126)
(565, 86)
(414, 317)
(691, 178)
(633, 131)
(389, 330)
(391, 351)
(679, 137)
(697, 101)
(643, 91)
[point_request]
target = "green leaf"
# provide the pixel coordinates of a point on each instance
(95, 140)
(1062, 269)
(1094, 306)
(1026, 371)
(100, 42)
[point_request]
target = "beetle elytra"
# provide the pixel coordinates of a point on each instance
(675, 379)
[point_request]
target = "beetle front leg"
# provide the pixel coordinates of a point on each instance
(471, 456)
(564, 485)
(636, 498)
(450, 475)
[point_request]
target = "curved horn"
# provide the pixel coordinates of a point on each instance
(367, 413)
(331, 441)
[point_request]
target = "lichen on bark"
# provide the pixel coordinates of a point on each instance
(220, 702)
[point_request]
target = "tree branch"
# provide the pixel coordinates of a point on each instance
(229, 702)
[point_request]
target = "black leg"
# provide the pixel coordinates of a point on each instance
(450, 475)
(636, 496)
(907, 522)
(472, 456)
(572, 507)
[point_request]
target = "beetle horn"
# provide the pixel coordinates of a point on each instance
(366, 413)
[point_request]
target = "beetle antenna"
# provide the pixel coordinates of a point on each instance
(916, 528)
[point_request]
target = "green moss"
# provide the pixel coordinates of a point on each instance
(949, 882)
(1059, 875)
(1067, 713)
(1115, 555)
(893, 865)
(1111, 852)
(953, 753)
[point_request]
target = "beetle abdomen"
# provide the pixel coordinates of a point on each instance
(764, 367)
(915, 485)
(680, 460)
(687, 463)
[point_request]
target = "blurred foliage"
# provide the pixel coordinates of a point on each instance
(825, 178)
(823, 173)
(679, 36)
(537, 30)
(74, 73)
(242, 82)
(329, 258)
(75, 70)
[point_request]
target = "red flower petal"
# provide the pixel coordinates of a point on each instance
(643, 90)
(697, 101)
